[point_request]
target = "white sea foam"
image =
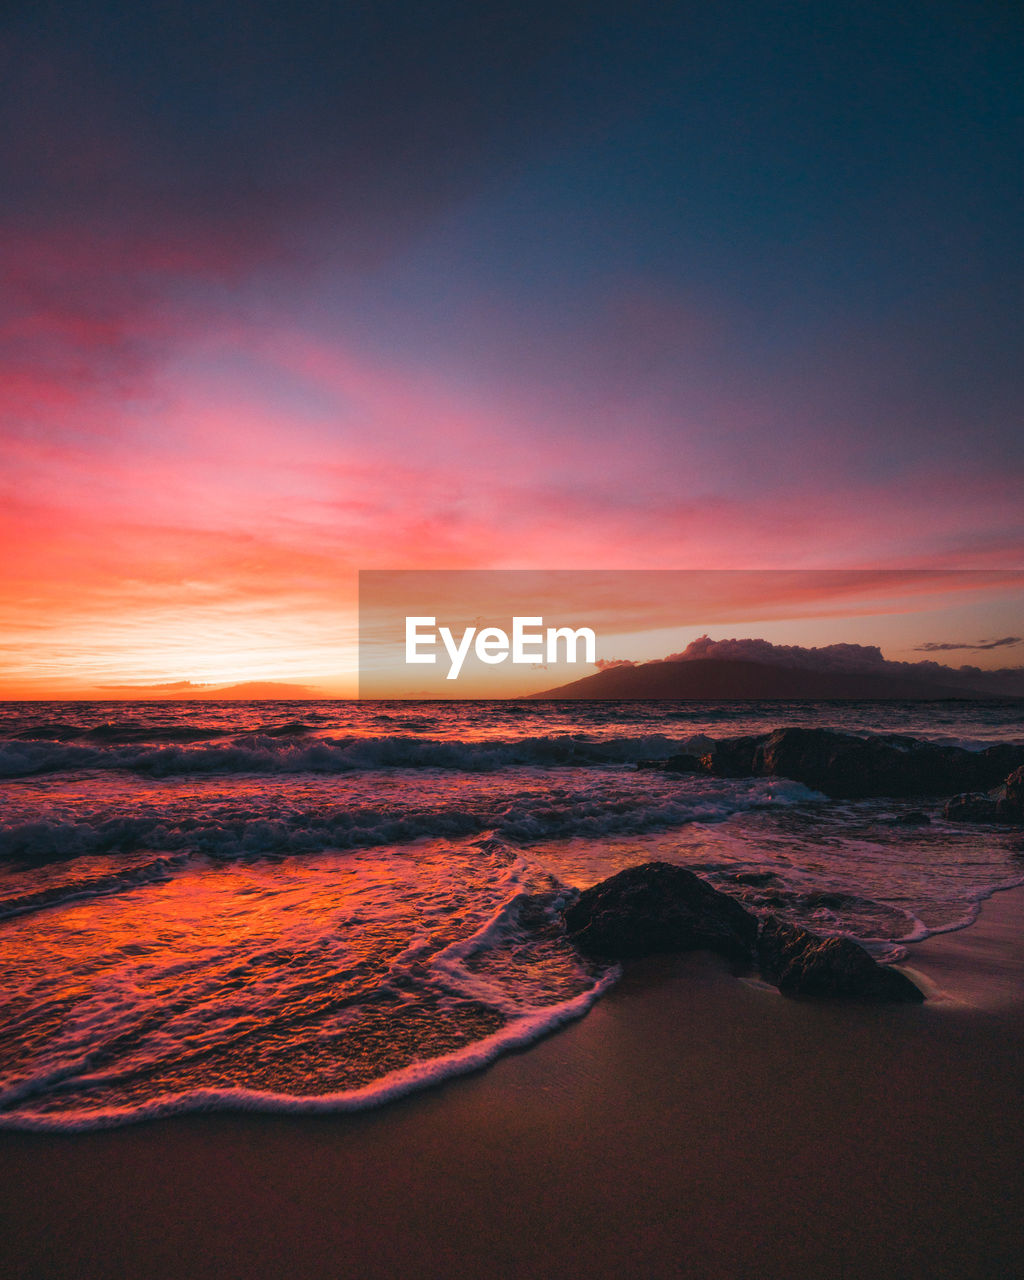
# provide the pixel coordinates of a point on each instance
(126, 1029)
(529, 1027)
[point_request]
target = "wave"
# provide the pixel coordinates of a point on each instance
(278, 753)
(168, 750)
(125, 1059)
(522, 818)
(524, 1031)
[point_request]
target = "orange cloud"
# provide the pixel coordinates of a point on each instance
(198, 522)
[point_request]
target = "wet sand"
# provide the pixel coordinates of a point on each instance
(691, 1125)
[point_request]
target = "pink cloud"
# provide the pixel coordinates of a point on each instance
(141, 473)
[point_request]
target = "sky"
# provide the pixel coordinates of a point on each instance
(293, 291)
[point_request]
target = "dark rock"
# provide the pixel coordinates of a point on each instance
(1002, 804)
(732, 757)
(682, 763)
(1015, 794)
(913, 819)
(1002, 758)
(849, 767)
(659, 907)
(973, 806)
(802, 964)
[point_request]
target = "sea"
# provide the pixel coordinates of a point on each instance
(319, 906)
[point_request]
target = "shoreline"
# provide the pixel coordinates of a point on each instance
(692, 1123)
(980, 966)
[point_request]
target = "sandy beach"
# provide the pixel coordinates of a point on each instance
(692, 1124)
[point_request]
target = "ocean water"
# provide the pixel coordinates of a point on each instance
(322, 905)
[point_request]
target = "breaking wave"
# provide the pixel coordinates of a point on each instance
(295, 1011)
(521, 816)
(279, 753)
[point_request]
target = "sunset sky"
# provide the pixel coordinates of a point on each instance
(291, 291)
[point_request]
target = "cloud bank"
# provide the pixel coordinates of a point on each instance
(1007, 681)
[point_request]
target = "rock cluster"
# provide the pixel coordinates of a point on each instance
(848, 767)
(1003, 804)
(659, 907)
